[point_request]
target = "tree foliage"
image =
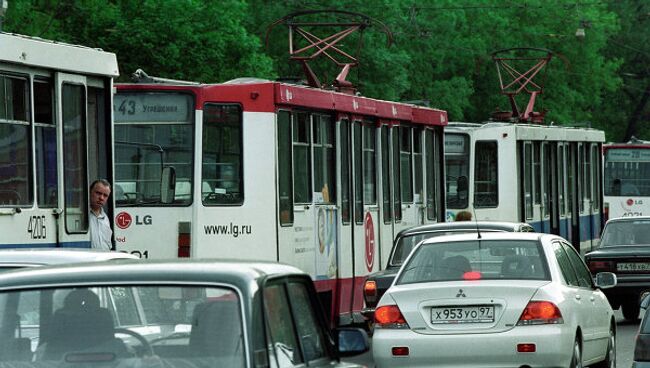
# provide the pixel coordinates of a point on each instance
(441, 50)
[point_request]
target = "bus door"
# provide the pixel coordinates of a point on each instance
(73, 206)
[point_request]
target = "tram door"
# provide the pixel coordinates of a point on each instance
(387, 228)
(345, 294)
(72, 101)
(565, 215)
(549, 189)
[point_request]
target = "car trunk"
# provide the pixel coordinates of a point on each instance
(464, 306)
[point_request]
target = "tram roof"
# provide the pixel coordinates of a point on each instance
(40, 53)
(258, 95)
(534, 131)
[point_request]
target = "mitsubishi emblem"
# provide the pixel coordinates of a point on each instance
(461, 293)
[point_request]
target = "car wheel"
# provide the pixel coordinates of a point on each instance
(610, 358)
(631, 311)
(576, 359)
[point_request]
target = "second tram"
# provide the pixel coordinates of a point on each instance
(548, 176)
(627, 179)
(318, 179)
(55, 139)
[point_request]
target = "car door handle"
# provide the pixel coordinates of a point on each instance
(578, 297)
(592, 298)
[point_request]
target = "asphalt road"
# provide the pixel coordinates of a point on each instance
(626, 333)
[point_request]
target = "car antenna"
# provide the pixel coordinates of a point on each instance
(478, 231)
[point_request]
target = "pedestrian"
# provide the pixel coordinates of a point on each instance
(100, 227)
(464, 216)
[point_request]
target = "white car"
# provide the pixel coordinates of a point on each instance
(495, 300)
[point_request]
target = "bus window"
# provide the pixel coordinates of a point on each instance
(627, 171)
(74, 155)
(222, 168)
(285, 183)
(486, 186)
(15, 156)
(45, 141)
(369, 171)
(301, 158)
(324, 159)
(417, 164)
(147, 138)
(457, 166)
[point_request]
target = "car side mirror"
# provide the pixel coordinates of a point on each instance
(351, 341)
(645, 300)
(606, 280)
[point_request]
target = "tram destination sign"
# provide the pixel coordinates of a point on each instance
(628, 155)
(152, 108)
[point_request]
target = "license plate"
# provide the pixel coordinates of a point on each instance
(464, 314)
(633, 266)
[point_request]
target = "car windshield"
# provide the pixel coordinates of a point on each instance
(632, 232)
(485, 260)
(127, 326)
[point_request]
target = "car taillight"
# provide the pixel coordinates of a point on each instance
(642, 348)
(472, 275)
(389, 316)
(600, 266)
(540, 313)
(370, 291)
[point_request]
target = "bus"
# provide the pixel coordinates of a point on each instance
(627, 179)
(269, 170)
(55, 139)
(548, 176)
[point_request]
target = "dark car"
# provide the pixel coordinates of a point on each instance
(642, 343)
(377, 283)
(191, 313)
(625, 250)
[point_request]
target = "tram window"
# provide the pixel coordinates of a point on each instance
(586, 172)
(537, 173)
(570, 177)
(98, 125)
(324, 160)
(45, 144)
(595, 176)
(406, 173)
(285, 183)
(397, 199)
(417, 163)
(385, 176)
(561, 182)
(74, 154)
(486, 186)
(358, 173)
(15, 153)
(528, 179)
(344, 128)
(457, 167)
(222, 169)
(369, 169)
(146, 140)
(301, 158)
(432, 173)
(548, 181)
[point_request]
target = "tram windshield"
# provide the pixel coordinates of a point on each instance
(152, 131)
(627, 172)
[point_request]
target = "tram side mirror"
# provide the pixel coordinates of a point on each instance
(462, 187)
(168, 185)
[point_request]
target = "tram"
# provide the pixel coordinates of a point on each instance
(548, 176)
(267, 170)
(55, 138)
(627, 178)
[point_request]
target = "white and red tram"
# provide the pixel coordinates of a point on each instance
(265, 170)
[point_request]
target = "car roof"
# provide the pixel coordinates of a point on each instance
(629, 219)
(463, 225)
(130, 271)
(26, 257)
(490, 236)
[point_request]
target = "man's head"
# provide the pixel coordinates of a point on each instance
(100, 190)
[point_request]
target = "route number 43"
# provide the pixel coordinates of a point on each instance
(36, 227)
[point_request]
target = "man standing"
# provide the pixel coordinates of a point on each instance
(100, 227)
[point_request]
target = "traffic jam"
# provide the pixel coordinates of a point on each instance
(275, 223)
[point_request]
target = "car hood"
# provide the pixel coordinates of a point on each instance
(620, 251)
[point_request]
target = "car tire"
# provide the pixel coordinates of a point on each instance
(631, 311)
(576, 359)
(610, 357)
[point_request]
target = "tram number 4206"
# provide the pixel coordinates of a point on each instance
(36, 227)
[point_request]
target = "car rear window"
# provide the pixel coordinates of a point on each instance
(123, 325)
(486, 260)
(633, 232)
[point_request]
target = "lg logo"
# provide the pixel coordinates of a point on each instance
(123, 220)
